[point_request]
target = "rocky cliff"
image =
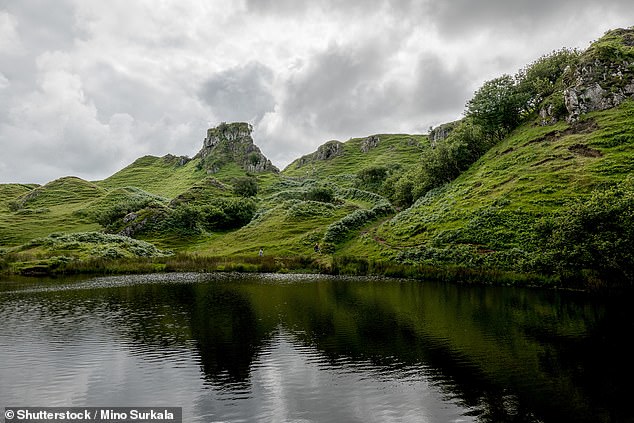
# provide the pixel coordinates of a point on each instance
(604, 76)
(232, 142)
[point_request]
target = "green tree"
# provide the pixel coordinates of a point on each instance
(497, 106)
(544, 78)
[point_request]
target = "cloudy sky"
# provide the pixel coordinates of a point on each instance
(87, 86)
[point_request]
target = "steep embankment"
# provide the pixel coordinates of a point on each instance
(534, 200)
(533, 172)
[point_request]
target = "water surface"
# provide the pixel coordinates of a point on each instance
(229, 347)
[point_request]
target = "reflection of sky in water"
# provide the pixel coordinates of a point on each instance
(290, 382)
(66, 351)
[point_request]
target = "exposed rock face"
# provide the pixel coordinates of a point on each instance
(604, 77)
(547, 115)
(369, 143)
(178, 160)
(329, 150)
(325, 152)
(441, 132)
(232, 142)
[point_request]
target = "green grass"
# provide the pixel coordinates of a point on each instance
(67, 190)
(392, 149)
(10, 192)
(530, 174)
(479, 224)
(162, 176)
(292, 227)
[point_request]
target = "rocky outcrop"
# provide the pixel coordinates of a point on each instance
(441, 132)
(369, 143)
(604, 77)
(232, 142)
(547, 115)
(324, 152)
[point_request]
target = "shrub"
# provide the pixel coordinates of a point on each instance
(308, 209)
(442, 164)
(245, 186)
(339, 230)
(111, 216)
(497, 106)
(544, 77)
(183, 219)
(596, 235)
(372, 177)
(320, 193)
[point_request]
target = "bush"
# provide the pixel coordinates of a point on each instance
(309, 209)
(182, 219)
(339, 230)
(371, 178)
(497, 106)
(596, 235)
(111, 217)
(227, 213)
(320, 193)
(245, 186)
(442, 164)
(544, 77)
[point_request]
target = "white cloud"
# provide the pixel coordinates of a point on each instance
(9, 38)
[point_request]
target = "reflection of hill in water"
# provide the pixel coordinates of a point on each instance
(509, 354)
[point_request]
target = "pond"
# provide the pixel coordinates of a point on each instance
(304, 348)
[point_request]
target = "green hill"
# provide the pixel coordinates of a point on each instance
(166, 176)
(47, 209)
(536, 179)
(350, 157)
(10, 192)
(534, 172)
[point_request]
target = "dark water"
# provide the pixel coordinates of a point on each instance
(308, 348)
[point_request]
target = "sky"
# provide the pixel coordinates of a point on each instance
(88, 86)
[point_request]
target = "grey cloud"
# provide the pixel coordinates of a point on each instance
(43, 25)
(350, 90)
(115, 92)
(241, 93)
(340, 88)
(439, 89)
(457, 17)
(141, 82)
(295, 8)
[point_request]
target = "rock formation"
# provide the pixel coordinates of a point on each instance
(441, 132)
(604, 77)
(232, 142)
(369, 143)
(324, 152)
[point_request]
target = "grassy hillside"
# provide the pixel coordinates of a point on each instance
(10, 192)
(42, 210)
(166, 176)
(496, 204)
(391, 150)
(536, 178)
